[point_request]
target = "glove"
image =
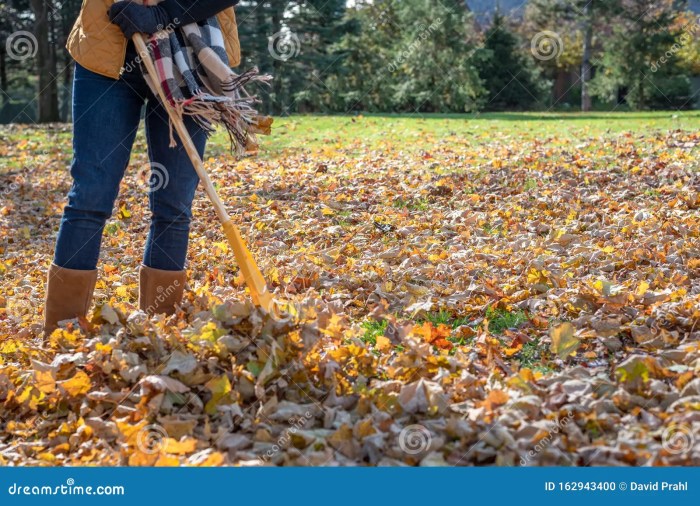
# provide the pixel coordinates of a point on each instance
(133, 18)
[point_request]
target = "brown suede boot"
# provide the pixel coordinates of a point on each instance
(68, 295)
(159, 290)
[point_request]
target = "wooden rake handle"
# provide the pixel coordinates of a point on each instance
(251, 273)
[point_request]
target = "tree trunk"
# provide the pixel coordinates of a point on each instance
(586, 63)
(261, 26)
(3, 75)
(47, 98)
(67, 93)
(261, 56)
(276, 28)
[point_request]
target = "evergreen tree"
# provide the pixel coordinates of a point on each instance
(511, 80)
(635, 62)
(361, 79)
(293, 41)
(263, 43)
(436, 57)
(409, 55)
(318, 25)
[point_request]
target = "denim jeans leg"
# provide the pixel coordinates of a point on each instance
(106, 115)
(173, 185)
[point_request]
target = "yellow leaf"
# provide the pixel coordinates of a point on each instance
(222, 245)
(365, 428)
(47, 457)
(274, 275)
(187, 445)
(44, 381)
(643, 287)
(122, 291)
(141, 459)
(220, 388)
(64, 337)
(522, 380)
(130, 432)
(564, 343)
(124, 212)
(383, 343)
(537, 277)
(167, 461)
(211, 332)
(79, 384)
(9, 346)
(515, 349)
(105, 348)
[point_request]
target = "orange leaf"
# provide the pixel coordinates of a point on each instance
(494, 399)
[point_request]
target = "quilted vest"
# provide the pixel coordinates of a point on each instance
(100, 46)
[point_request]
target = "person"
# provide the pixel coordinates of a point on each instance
(109, 92)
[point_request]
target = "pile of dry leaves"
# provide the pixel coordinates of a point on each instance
(529, 304)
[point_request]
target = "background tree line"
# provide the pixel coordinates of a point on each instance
(407, 55)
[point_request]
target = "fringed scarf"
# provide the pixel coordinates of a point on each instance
(193, 70)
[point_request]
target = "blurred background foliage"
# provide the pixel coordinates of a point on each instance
(403, 56)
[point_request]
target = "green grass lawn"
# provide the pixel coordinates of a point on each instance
(421, 131)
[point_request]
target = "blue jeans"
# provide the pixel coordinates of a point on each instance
(106, 115)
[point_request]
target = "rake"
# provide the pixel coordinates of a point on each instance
(251, 273)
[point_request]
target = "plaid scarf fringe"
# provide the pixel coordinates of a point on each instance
(236, 112)
(193, 71)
